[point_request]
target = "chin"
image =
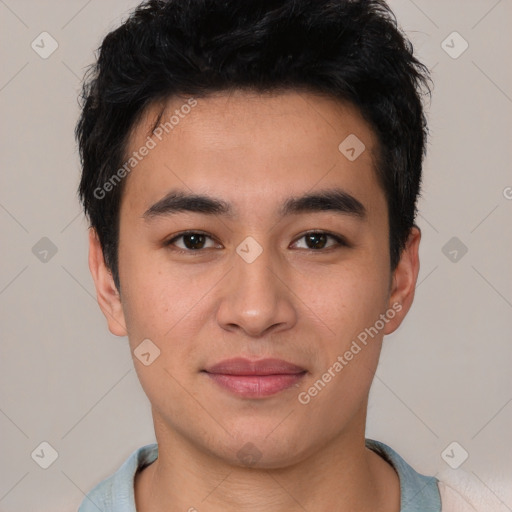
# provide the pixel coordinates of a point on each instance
(266, 449)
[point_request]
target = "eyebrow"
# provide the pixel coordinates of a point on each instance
(335, 200)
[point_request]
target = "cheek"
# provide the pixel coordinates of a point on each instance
(350, 306)
(153, 305)
(162, 310)
(347, 299)
(146, 295)
(163, 302)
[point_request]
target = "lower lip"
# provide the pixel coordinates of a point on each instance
(256, 386)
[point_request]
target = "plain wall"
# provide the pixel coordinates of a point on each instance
(444, 375)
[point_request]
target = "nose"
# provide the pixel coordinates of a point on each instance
(257, 298)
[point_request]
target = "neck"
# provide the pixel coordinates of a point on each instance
(341, 475)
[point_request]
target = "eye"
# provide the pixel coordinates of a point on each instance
(191, 241)
(317, 240)
(195, 241)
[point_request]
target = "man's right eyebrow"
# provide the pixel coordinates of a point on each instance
(180, 201)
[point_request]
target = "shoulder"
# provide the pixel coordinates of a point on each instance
(116, 493)
(453, 501)
(462, 492)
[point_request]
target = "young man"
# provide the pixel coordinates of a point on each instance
(250, 172)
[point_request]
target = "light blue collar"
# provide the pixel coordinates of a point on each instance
(418, 493)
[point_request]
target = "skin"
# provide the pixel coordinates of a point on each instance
(296, 303)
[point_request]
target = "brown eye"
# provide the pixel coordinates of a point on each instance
(190, 241)
(195, 241)
(318, 240)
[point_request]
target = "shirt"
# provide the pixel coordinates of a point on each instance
(418, 493)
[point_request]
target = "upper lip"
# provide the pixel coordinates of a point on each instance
(242, 366)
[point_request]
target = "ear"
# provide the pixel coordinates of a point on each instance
(107, 294)
(403, 282)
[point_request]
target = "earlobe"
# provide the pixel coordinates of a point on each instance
(404, 280)
(107, 294)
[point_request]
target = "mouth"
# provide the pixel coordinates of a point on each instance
(255, 379)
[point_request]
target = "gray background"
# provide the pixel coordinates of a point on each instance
(444, 376)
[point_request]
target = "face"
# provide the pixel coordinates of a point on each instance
(285, 257)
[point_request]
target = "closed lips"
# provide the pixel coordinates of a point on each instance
(246, 367)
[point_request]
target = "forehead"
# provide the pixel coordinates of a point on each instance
(251, 147)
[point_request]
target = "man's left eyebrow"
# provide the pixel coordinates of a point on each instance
(336, 200)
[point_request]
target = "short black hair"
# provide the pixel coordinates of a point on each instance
(350, 50)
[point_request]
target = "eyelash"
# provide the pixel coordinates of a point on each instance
(340, 241)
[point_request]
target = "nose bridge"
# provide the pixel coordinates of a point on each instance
(255, 267)
(255, 298)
